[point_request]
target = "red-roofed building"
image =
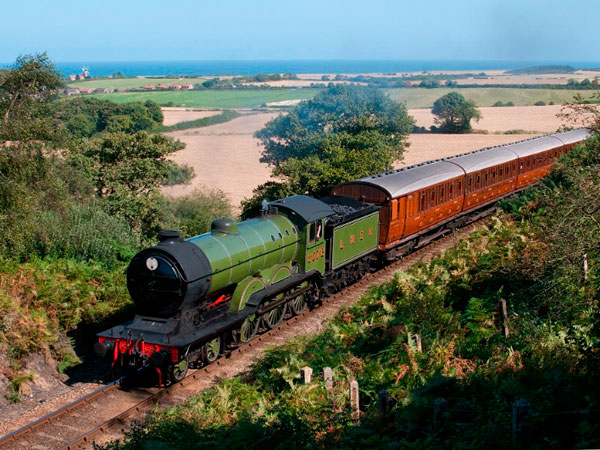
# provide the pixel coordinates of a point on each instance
(187, 86)
(72, 77)
(175, 87)
(149, 87)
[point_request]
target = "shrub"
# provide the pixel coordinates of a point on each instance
(178, 174)
(540, 103)
(194, 213)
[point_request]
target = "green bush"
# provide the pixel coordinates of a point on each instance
(42, 300)
(499, 103)
(193, 214)
(540, 103)
(178, 174)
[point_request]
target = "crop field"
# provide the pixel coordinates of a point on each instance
(538, 119)
(424, 98)
(212, 99)
(131, 83)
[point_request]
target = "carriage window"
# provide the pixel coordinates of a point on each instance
(470, 183)
(478, 181)
(450, 191)
(432, 197)
(500, 173)
(458, 187)
(411, 206)
(422, 201)
(442, 194)
(486, 178)
(493, 175)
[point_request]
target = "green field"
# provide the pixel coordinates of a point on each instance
(131, 83)
(424, 98)
(213, 99)
(413, 97)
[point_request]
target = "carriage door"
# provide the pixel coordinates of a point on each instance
(401, 213)
(398, 213)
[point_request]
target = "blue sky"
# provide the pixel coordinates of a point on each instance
(125, 30)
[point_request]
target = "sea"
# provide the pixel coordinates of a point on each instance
(252, 67)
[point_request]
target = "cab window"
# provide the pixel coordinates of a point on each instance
(315, 231)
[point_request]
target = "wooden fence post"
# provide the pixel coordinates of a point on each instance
(354, 399)
(306, 374)
(440, 405)
(416, 338)
(328, 377)
(520, 415)
(504, 317)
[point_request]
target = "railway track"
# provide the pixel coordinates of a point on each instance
(107, 413)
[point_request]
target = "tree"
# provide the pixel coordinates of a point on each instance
(343, 133)
(126, 170)
(106, 116)
(454, 113)
(25, 93)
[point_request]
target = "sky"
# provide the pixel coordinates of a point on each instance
(134, 30)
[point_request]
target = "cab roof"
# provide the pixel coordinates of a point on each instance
(308, 208)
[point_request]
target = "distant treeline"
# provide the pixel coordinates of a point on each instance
(542, 70)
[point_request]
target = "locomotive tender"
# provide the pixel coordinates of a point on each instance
(196, 297)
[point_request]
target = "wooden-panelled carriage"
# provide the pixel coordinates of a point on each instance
(420, 202)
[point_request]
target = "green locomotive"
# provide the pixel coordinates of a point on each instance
(196, 297)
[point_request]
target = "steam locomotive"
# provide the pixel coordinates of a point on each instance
(196, 297)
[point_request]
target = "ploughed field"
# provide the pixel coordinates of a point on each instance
(226, 156)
